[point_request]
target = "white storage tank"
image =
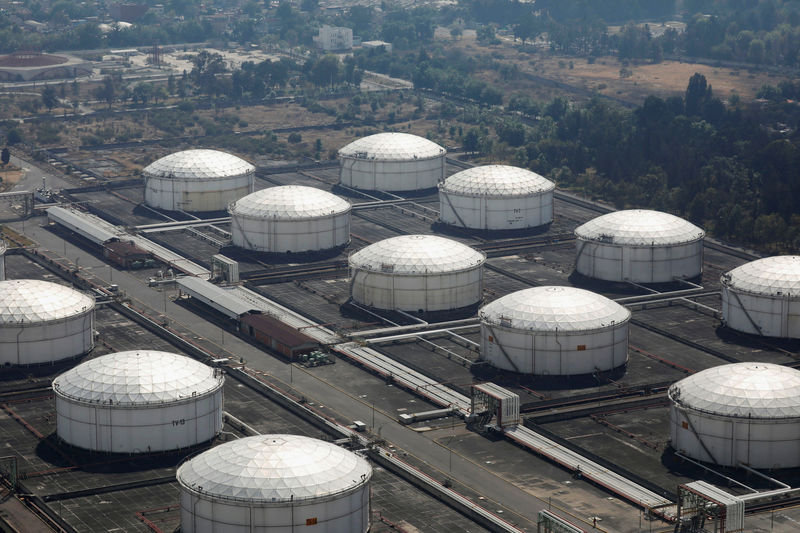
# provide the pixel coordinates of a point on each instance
(392, 162)
(763, 297)
(43, 322)
(139, 401)
(639, 245)
(417, 273)
(197, 180)
(3, 249)
(554, 331)
(739, 413)
(291, 218)
(275, 483)
(496, 197)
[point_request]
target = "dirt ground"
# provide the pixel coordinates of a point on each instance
(9, 175)
(605, 76)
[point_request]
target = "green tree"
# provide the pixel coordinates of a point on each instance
(325, 71)
(49, 98)
(107, 92)
(697, 93)
(13, 137)
(5, 156)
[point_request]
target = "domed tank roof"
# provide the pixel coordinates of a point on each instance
(140, 377)
(746, 390)
(497, 180)
(392, 147)
(554, 309)
(274, 469)
(289, 202)
(639, 227)
(199, 164)
(771, 276)
(417, 254)
(23, 301)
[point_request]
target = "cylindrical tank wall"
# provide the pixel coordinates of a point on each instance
(343, 512)
(495, 213)
(32, 343)
(211, 194)
(554, 353)
(136, 429)
(377, 175)
(640, 264)
(425, 292)
(759, 443)
(770, 316)
(280, 236)
(2, 264)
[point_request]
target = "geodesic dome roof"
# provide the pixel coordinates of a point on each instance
(554, 309)
(25, 301)
(392, 147)
(273, 469)
(289, 202)
(771, 276)
(639, 227)
(497, 180)
(141, 377)
(417, 254)
(199, 164)
(757, 390)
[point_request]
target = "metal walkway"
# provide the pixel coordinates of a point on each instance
(100, 231)
(604, 477)
(402, 375)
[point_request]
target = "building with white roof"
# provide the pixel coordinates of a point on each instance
(496, 197)
(554, 331)
(738, 413)
(197, 180)
(639, 245)
(276, 483)
(43, 322)
(392, 162)
(290, 218)
(332, 38)
(417, 273)
(139, 401)
(763, 297)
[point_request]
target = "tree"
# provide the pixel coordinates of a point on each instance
(49, 98)
(5, 156)
(472, 140)
(325, 71)
(106, 92)
(456, 33)
(697, 92)
(13, 137)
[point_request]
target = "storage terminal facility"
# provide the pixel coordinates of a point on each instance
(394, 341)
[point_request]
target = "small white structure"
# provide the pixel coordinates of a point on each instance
(43, 322)
(374, 45)
(555, 331)
(496, 197)
(139, 401)
(739, 413)
(392, 162)
(197, 180)
(417, 273)
(333, 38)
(3, 249)
(763, 297)
(640, 246)
(275, 483)
(291, 218)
